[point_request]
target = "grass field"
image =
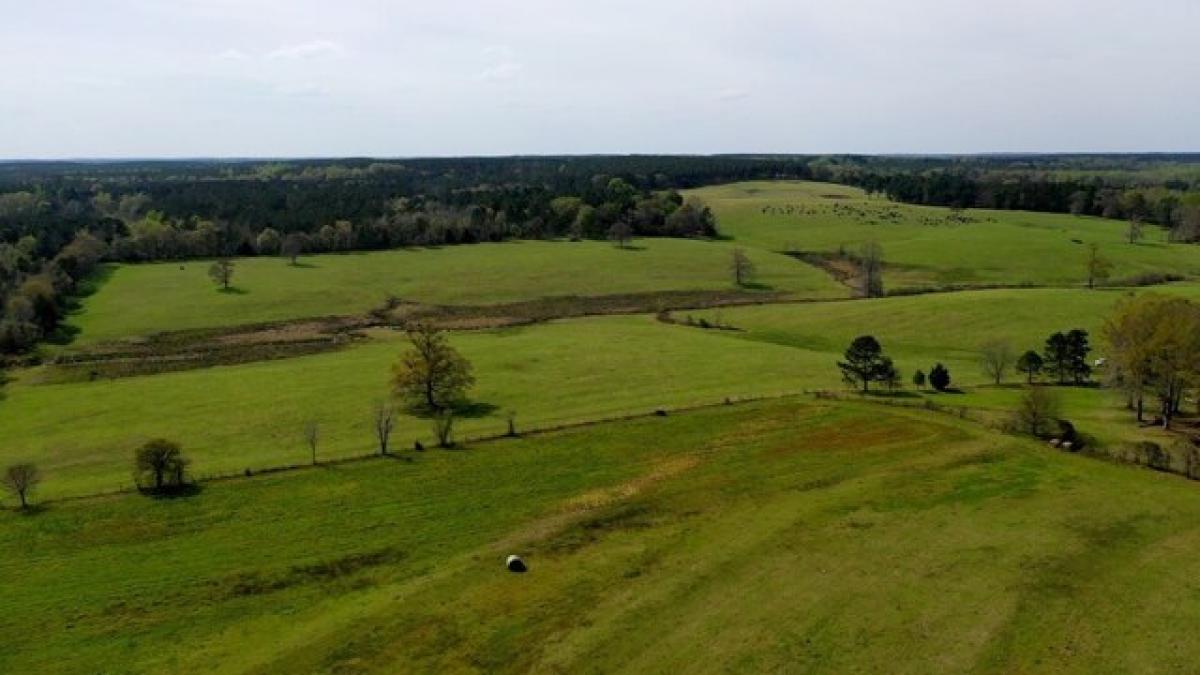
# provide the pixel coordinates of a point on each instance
(251, 416)
(924, 248)
(790, 533)
(143, 299)
(765, 537)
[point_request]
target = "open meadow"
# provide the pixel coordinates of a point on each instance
(764, 519)
(826, 537)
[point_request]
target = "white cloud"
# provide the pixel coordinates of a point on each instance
(412, 77)
(307, 50)
(501, 64)
(732, 94)
(232, 54)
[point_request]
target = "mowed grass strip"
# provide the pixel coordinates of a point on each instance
(924, 247)
(764, 537)
(138, 300)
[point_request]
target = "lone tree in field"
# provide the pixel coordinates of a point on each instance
(221, 272)
(995, 357)
(870, 260)
(919, 379)
(1037, 410)
(21, 480)
(1030, 363)
(865, 363)
(385, 421)
(1098, 267)
(312, 436)
(742, 268)
(939, 377)
(1135, 229)
(292, 247)
(161, 464)
(620, 233)
(432, 373)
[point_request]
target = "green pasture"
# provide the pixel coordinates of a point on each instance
(136, 300)
(924, 247)
(779, 536)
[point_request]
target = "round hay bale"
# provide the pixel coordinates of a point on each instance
(515, 564)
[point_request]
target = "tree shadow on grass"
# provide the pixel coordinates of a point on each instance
(892, 394)
(173, 492)
(466, 409)
(757, 286)
(631, 247)
(31, 510)
(233, 290)
(304, 265)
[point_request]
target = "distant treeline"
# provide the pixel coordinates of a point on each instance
(1164, 190)
(58, 220)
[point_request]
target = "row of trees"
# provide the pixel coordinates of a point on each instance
(1171, 207)
(37, 274)
(865, 362)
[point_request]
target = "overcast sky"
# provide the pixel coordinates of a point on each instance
(174, 78)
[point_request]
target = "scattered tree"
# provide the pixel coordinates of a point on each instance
(432, 373)
(919, 379)
(1155, 349)
(1030, 363)
(443, 428)
(1135, 229)
(890, 376)
(939, 377)
(1066, 356)
(292, 247)
(1098, 267)
(312, 437)
(385, 421)
(742, 268)
(221, 272)
(160, 463)
(870, 260)
(268, 242)
(1037, 409)
(21, 480)
(620, 233)
(865, 362)
(996, 357)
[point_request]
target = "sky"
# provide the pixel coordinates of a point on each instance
(301, 78)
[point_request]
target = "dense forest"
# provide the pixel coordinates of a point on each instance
(59, 220)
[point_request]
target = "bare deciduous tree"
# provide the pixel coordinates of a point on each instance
(996, 357)
(443, 428)
(1098, 267)
(742, 268)
(1037, 409)
(870, 260)
(312, 436)
(21, 480)
(385, 421)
